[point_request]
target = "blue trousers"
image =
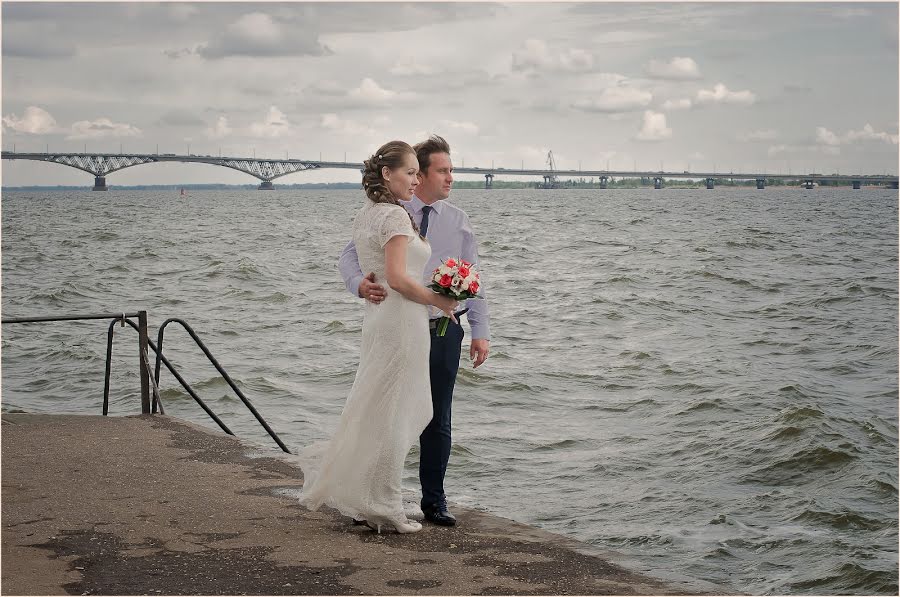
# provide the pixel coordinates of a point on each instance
(434, 443)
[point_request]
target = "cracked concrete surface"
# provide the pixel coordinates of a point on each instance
(155, 505)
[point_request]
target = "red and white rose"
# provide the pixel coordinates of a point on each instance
(458, 279)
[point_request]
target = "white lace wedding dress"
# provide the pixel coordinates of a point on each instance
(359, 470)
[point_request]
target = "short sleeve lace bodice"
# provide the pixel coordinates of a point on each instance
(375, 225)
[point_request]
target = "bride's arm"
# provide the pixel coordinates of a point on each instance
(399, 280)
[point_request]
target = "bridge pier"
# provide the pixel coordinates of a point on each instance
(657, 182)
(760, 183)
(710, 183)
(856, 185)
(894, 185)
(604, 182)
(488, 181)
(266, 185)
(808, 184)
(100, 183)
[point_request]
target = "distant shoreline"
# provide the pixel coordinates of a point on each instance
(628, 183)
(186, 187)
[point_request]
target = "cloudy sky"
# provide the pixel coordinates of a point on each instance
(776, 86)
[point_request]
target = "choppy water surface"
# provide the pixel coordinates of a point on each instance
(703, 381)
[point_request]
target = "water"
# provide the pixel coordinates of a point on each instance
(703, 381)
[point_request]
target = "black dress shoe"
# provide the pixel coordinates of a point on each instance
(439, 514)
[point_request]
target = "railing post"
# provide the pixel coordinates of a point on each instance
(143, 362)
(109, 343)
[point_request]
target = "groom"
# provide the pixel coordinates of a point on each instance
(448, 231)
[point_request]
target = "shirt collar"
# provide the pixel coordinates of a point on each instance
(417, 204)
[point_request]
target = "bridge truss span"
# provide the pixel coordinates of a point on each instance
(101, 165)
(267, 170)
(98, 165)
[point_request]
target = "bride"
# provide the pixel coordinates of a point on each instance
(359, 470)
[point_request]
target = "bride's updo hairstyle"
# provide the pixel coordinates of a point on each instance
(389, 155)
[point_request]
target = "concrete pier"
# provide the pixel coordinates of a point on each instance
(151, 504)
(266, 185)
(488, 181)
(100, 184)
(658, 182)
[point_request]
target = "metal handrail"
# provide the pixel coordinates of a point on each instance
(116, 316)
(143, 361)
(156, 400)
(219, 368)
(147, 376)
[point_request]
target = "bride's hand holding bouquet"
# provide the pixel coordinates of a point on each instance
(458, 280)
(447, 305)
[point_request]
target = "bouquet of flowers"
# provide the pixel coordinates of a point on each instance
(456, 278)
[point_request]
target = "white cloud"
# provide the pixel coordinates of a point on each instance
(182, 12)
(654, 128)
(371, 92)
(720, 94)
(102, 127)
(258, 34)
(576, 60)
(776, 150)
(868, 134)
(759, 135)
(616, 99)
(410, 67)
(826, 137)
(679, 69)
(275, 124)
(531, 156)
(535, 55)
(466, 127)
(220, 129)
(603, 80)
(325, 87)
(333, 122)
(679, 104)
(182, 52)
(34, 121)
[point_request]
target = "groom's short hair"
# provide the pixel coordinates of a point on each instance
(433, 144)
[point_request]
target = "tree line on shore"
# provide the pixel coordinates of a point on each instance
(581, 183)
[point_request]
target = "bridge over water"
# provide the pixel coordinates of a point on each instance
(267, 170)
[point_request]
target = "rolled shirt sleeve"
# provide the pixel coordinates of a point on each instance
(479, 319)
(348, 265)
